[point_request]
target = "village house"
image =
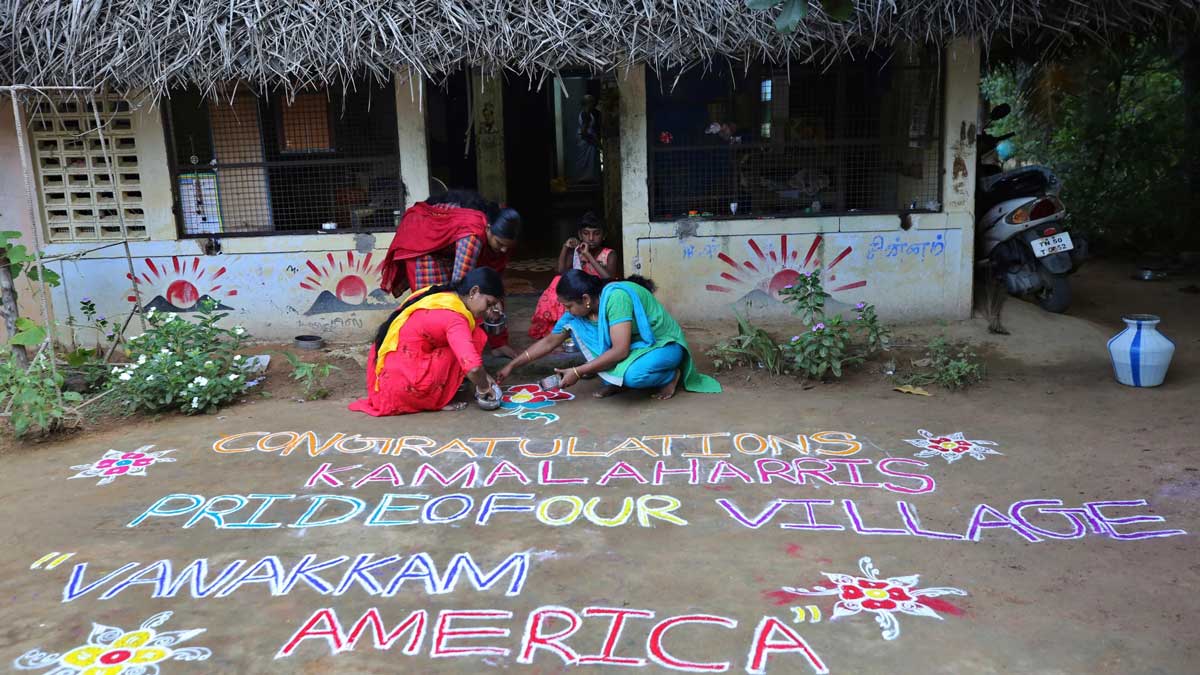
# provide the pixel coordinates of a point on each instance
(258, 154)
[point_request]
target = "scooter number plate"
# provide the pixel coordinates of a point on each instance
(1053, 244)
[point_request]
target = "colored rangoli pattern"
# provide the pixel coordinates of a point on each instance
(527, 401)
(115, 463)
(885, 598)
(951, 447)
(113, 651)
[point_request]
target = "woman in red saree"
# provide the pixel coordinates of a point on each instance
(425, 349)
(440, 240)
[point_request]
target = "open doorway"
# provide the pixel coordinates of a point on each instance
(553, 150)
(554, 140)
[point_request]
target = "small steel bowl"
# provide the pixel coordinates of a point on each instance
(308, 342)
(495, 327)
(489, 403)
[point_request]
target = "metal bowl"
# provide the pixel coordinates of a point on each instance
(489, 403)
(308, 342)
(495, 326)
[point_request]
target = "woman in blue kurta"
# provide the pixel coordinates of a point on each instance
(628, 337)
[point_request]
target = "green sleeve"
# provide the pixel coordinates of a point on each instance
(618, 308)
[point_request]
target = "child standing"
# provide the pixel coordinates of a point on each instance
(587, 253)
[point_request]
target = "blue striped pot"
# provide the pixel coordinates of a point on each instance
(1140, 354)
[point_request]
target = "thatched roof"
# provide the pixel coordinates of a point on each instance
(152, 45)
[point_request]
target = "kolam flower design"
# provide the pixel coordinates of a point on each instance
(113, 651)
(525, 400)
(950, 447)
(882, 597)
(116, 463)
(532, 397)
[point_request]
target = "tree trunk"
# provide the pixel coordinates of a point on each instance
(8, 308)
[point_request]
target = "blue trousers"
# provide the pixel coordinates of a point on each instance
(655, 368)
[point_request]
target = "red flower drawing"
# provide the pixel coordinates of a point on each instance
(950, 447)
(882, 597)
(526, 395)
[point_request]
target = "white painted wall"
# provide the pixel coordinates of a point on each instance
(921, 273)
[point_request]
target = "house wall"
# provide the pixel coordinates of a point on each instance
(922, 272)
(276, 286)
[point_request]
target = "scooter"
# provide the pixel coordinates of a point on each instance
(1021, 226)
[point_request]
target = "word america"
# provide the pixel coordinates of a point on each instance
(545, 634)
(723, 444)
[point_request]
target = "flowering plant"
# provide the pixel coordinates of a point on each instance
(182, 365)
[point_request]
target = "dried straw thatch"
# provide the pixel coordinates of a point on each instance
(151, 45)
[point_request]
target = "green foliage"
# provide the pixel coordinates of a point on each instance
(807, 297)
(828, 346)
(33, 396)
(1111, 124)
(752, 347)
(19, 257)
(181, 365)
(951, 366)
(793, 12)
(28, 334)
(89, 361)
(311, 375)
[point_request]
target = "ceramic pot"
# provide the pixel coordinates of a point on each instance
(1140, 354)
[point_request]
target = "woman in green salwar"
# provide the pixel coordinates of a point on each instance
(629, 339)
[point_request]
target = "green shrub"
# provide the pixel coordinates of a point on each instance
(181, 365)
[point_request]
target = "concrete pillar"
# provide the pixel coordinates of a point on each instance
(487, 99)
(410, 131)
(958, 178)
(635, 196)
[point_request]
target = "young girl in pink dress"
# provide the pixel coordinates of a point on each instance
(586, 253)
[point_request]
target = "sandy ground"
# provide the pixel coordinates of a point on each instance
(1085, 597)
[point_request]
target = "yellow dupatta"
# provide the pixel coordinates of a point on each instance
(448, 300)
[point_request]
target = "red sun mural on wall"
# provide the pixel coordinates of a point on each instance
(762, 277)
(180, 286)
(342, 284)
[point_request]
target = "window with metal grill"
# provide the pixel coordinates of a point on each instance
(862, 136)
(250, 165)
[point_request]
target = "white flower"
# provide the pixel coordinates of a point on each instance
(195, 401)
(234, 377)
(142, 360)
(164, 351)
(132, 338)
(170, 317)
(125, 377)
(208, 364)
(116, 369)
(152, 310)
(149, 378)
(178, 364)
(133, 366)
(237, 358)
(238, 330)
(200, 381)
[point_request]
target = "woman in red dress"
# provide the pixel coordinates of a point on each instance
(425, 349)
(586, 253)
(442, 238)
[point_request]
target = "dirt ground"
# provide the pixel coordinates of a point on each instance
(1062, 546)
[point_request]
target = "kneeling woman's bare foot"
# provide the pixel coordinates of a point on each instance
(607, 390)
(455, 406)
(668, 391)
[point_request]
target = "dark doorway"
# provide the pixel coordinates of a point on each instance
(548, 182)
(451, 154)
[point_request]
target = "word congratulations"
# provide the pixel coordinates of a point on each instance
(546, 632)
(331, 576)
(284, 443)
